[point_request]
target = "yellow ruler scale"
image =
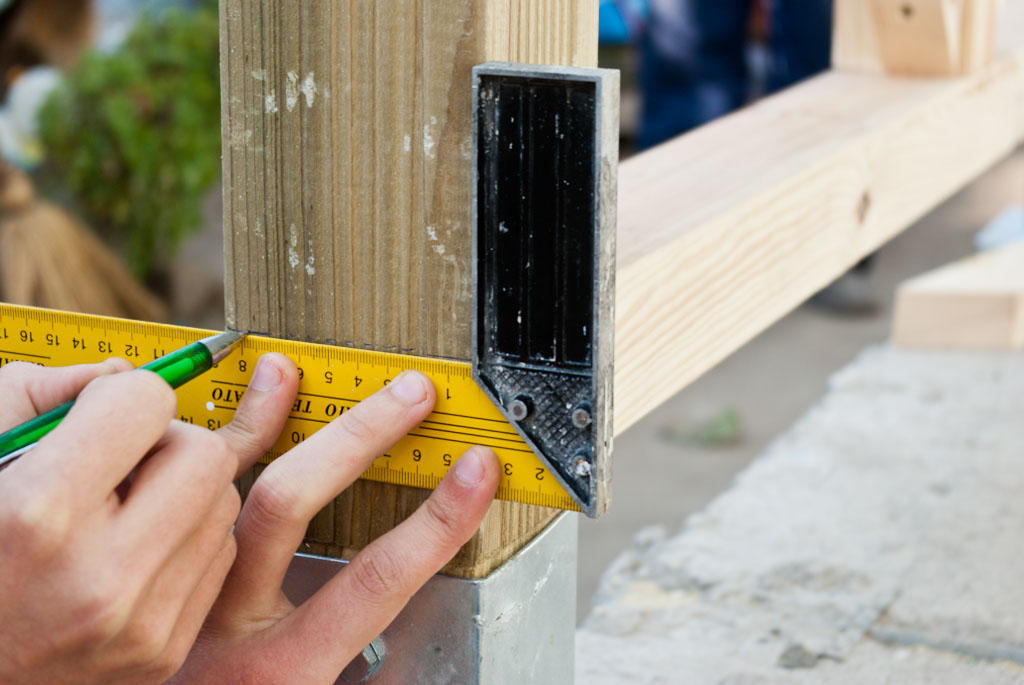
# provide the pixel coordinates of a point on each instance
(333, 380)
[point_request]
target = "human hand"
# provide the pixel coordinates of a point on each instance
(253, 633)
(115, 531)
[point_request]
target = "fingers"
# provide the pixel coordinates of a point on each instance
(363, 599)
(172, 493)
(263, 410)
(201, 602)
(299, 484)
(115, 420)
(170, 611)
(27, 390)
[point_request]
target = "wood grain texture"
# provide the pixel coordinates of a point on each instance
(974, 303)
(726, 229)
(914, 37)
(347, 147)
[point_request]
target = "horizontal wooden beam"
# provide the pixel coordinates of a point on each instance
(726, 229)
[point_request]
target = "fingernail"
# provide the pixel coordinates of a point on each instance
(266, 377)
(470, 468)
(409, 387)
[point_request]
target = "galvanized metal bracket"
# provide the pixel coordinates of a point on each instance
(545, 158)
(515, 626)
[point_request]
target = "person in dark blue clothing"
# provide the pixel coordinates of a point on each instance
(695, 67)
(694, 57)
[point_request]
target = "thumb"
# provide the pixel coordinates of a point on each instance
(28, 390)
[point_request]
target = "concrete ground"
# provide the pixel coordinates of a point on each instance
(877, 541)
(660, 476)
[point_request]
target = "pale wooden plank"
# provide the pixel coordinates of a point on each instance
(974, 303)
(726, 229)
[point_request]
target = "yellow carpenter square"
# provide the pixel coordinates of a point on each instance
(333, 380)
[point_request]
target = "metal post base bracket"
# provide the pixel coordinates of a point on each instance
(545, 158)
(515, 626)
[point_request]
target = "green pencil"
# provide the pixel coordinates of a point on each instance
(177, 368)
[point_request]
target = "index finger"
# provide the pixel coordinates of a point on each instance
(297, 485)
(112, 425)
(369, 592)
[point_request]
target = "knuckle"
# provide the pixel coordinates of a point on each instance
(143, 389)
(443, 517)
(245, 430)
(143, 644)
(120, 364)
(103, 612)
(213, 450)
(35, 525)
(172, 659)
(358, 428)
(13, 372)
(376, 573)
(156, 391)
(272, 502)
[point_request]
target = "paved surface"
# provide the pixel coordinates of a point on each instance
(878, 541)
(660, 478)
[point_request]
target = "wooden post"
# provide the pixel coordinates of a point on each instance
(347, 171)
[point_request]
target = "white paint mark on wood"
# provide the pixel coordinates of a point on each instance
(293, 255)
(291, 91)
(428, 141)
(270, 103)
(309, 89)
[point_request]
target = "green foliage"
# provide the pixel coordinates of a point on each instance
(135, 135)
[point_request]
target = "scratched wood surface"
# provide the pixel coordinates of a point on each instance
(347, 146)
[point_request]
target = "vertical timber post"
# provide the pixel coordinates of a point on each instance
(347, 194)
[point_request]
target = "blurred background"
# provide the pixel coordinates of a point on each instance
(110, 204)
(110, 144)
